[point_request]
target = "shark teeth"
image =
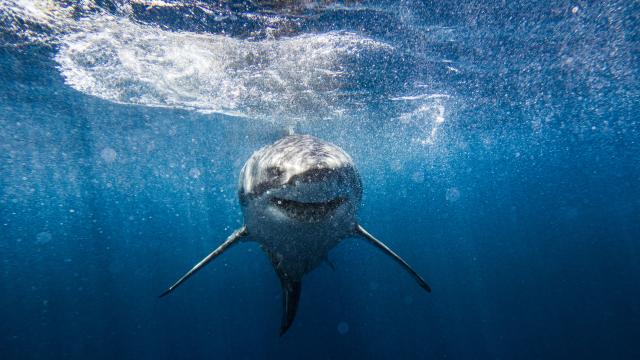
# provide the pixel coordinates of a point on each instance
(307, 211)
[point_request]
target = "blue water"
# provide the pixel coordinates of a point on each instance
(499, 148)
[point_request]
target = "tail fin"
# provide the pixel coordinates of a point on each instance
(290, 296)
(291, 289)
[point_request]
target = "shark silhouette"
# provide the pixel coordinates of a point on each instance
(300, 197)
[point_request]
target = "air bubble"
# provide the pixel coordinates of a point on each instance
(108, 155)
(195, 173)
(452, 194)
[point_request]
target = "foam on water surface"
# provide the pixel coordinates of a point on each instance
(285, 79)
(126, 62)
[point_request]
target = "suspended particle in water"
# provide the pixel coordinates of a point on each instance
(343, 327)
(396, 165)
(452, 194)
(108, 155)
(43, 237)
(418, 177)
(195, 173)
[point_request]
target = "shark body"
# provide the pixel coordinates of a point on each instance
(299, 197)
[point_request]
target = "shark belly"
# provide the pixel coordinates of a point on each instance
(295, 249)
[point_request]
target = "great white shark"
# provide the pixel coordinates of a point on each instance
(299, 197)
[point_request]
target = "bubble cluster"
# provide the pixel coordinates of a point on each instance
(127, 62)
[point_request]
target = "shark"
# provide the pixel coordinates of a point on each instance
(299, 198)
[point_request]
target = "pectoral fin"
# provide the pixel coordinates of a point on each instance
(231, 240)
(359, 230)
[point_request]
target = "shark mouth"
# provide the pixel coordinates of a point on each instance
(307, 211)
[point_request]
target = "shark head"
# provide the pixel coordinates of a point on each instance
(300, 181)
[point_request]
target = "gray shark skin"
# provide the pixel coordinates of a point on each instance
(299, 197)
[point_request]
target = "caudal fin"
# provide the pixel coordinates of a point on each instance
(290, 296)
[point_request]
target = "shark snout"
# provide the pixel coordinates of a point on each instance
(319, 185)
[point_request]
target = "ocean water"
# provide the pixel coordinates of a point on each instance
(498, 144)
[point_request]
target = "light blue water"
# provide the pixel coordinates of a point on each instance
(498, 147)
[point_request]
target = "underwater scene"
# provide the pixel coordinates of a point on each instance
(319, 179)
